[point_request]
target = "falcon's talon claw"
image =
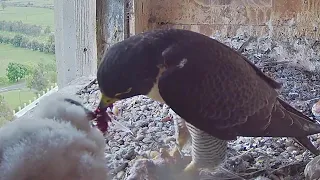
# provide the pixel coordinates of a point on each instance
(164, 153)
(191, 172)
(191, 168)
(176, 152)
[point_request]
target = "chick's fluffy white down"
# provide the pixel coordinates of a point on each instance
(56, 143)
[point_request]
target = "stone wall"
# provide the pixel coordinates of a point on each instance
(277, 18)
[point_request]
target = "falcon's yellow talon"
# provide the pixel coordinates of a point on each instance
(164, 152)
(175, 152)
(154, 155)
(189, 173)
(182, 137)
(191, 168)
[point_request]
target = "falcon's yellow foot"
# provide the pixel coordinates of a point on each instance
(163, 154)
(183, 135)
(191, 172)
(176, 152)
(191, 168)
(152, 155)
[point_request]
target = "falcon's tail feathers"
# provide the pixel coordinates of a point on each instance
(308, 125)
(305, 142)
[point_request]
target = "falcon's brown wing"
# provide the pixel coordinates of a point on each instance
(219, 91)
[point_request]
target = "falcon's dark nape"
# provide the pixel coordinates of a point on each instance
(211, 86)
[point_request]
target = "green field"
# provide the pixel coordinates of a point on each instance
(29, 15)
(33, 2)
(13, 98)
(40, 39)
(9, 53)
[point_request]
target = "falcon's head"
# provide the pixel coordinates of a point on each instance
(135, 65)
(129, 68)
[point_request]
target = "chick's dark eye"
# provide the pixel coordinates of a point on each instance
(73, 102)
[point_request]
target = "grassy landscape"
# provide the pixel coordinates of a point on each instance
(9, 53)
(38, 12)
(13, 98)
(28, 15)
(33, 2)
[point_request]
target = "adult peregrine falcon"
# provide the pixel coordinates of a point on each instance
(216, 90)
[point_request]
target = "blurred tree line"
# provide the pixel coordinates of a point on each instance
(20, 27)
(23, 41)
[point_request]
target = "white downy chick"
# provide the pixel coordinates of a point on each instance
(57, 142)
(316, 110)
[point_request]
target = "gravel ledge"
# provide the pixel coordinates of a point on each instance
(250, 157)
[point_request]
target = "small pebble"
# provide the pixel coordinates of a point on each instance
(120, 174)
(139, 138)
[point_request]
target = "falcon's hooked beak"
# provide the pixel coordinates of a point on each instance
(101, 116)
(105, 102)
